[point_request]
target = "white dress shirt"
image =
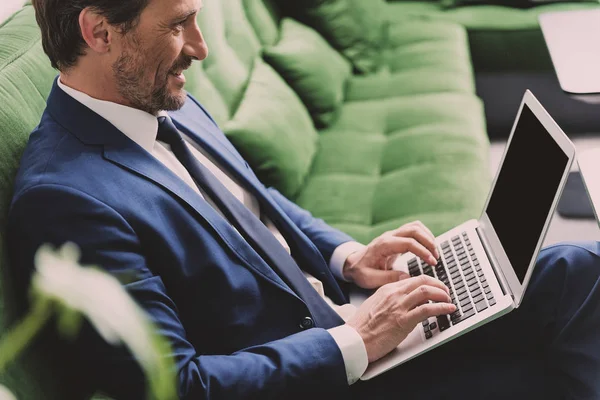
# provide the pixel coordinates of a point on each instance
(142, 128)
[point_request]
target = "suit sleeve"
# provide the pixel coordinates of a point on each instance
(326, 238)
(301, 364)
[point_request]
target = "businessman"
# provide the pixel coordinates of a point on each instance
(243, 283)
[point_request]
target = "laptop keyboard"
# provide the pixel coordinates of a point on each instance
(469, 290)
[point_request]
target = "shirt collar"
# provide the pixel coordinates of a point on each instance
(137, 125)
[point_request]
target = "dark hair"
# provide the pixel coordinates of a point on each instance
(61, 33)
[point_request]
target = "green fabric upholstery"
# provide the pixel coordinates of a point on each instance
(265, 20)
(233, 46)
(344, 26)
(502, 39)
(197, 81)
(316, 71)
(422, 57)
(507, 3)
(392, 161)
(371, 17)
(273, 131)
(25, 81)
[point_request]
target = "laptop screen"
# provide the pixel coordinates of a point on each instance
(530, 175)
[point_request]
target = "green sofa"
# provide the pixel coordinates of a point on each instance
(509, 55)
(501, 38)
(405, 142)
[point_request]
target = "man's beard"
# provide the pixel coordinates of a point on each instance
(131, 82)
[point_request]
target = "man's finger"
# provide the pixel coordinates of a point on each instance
(426, 229)
(424, 311)
(375, 278)
(421, 236)
(419, 226)
(424, 294)
(392, 245)
(416, 225)
(411, 284)
(389, 263)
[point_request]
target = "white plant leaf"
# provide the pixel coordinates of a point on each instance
(101, 299)
(5, 394)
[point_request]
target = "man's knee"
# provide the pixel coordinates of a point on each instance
(580, 257)
(573, 265)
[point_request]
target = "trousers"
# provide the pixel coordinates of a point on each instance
(548, 348)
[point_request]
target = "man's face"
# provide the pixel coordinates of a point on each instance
(152, 56)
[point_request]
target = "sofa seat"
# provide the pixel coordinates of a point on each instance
(410, 142)
(391, 161)
(421, 57)
(502, 38)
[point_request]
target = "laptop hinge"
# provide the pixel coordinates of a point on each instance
(494, 263)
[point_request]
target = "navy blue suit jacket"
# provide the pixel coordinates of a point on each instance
(233, 324)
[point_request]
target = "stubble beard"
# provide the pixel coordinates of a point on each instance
(151, 97)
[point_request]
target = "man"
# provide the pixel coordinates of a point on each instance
(239, 279)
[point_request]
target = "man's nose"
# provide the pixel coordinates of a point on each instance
(195, 46)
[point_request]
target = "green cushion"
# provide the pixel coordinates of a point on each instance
(25, 80)
(233, 48)
(506, 3)
(264, 19)
(372, 18)
(428, 44)
(345, 28)
(423, 56)
(316, 71)
(388, 162)
(273, 131)
(412, 81)
(201, 87)
(502, 39)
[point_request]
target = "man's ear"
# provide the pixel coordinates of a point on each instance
(95, 30)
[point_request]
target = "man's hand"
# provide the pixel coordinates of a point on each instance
(370, 268)
(386, 318)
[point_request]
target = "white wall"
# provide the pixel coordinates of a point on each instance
(8, 7)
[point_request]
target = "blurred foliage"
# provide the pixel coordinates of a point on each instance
(63, 288)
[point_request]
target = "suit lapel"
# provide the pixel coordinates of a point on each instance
(92, 129)
(207, 135)
(140, 162)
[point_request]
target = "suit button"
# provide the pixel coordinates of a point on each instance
(307, 323)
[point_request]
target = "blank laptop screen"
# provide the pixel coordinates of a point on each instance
(525, 189)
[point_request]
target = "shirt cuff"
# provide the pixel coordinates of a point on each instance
(353, 351)
(339, 256)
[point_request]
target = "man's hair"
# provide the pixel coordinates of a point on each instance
(61, 33)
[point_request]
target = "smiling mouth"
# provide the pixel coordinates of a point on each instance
(178, 74)
(178, 70)
(181, 67)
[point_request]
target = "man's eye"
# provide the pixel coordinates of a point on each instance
(179, 26)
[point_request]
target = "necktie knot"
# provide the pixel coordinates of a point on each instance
(167, 132)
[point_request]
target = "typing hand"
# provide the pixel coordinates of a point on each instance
(370, 268)
(386, 318)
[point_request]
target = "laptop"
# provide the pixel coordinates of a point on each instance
(487, 263)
